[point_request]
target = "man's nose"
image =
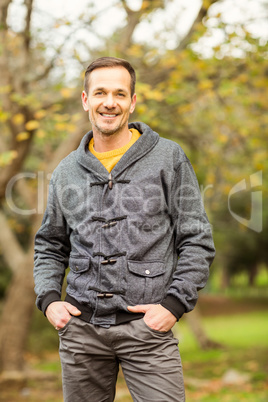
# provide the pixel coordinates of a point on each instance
(109, 101)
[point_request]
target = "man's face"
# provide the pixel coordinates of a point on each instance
(109, 101)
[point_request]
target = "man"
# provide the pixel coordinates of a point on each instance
(121, 209)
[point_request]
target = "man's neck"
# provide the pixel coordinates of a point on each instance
(106, 143)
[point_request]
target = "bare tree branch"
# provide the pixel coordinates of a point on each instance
(27, 33)
(4, 4)
(202, 13)
(124, 4)
(47, 69)
(133, 19)
(49, 66)
(5, 76)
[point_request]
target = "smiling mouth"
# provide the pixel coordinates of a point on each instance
(109, 116)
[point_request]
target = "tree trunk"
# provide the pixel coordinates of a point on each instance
(252, 274)
(20, 299)
(195, 323)
(16, 317)
(225, 279)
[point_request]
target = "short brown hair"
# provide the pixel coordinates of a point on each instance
(109, 62)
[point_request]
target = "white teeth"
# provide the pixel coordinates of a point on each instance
(108, 115)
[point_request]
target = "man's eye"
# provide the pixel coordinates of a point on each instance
(122, 95)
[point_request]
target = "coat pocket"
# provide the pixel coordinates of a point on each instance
(145, 282)
(80, 275)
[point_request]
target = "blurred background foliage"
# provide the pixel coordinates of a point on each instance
(209, 96)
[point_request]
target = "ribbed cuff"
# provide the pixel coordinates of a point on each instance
(174, 306)
(49, 298)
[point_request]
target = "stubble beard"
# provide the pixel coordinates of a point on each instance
(108, 132)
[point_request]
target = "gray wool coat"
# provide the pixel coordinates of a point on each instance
(136, 236)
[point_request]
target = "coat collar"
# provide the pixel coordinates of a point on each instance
(141, 147)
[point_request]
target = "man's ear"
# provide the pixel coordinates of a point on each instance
(133, 103)
(84, 101)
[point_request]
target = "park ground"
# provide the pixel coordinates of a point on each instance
(238, 371)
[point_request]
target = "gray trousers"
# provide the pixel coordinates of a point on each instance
(90, 357)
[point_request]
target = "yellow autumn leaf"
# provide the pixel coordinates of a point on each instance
(4, 116)
(70, 127)
(206, 4)
(22, 136)
(66, 92)
(205, 84)
(243, 78)
(259, 82)
(153, 95)
(18, 118)
(40, 133)
(223, 138)
(55, 108)
(13, 154)
(211, 178)
(5, 89)
(158, 96)
(226, 189)
(76, 117)
(61, 117)
(135, 50)
(6, 158)
(245, 132)
(259, 166)
(201, 64)
(32, 125)
(185, 108)
(60, 126)
(145, 4)
(40, 114)
(142, 108)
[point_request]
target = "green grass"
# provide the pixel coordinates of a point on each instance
(244, 339)
(52, 366)
(239, 330)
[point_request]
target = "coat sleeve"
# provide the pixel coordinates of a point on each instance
(52, 249)
(193, 242)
